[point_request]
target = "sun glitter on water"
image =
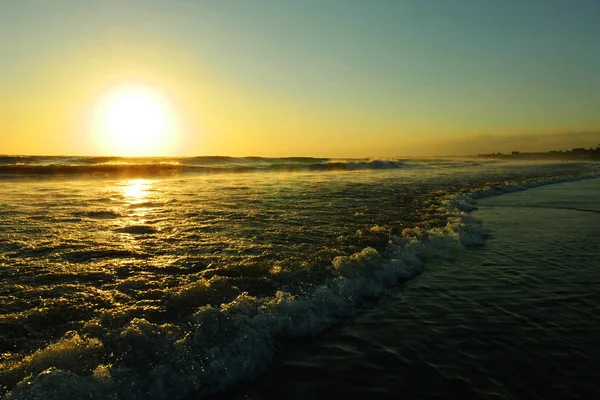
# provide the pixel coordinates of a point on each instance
(136, 190)
(134, 121)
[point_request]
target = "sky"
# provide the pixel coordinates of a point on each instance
(305, 78)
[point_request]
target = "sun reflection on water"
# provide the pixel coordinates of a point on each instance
(136, 190)
(136, 193)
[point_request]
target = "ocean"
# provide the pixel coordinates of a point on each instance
(518, 318)
(184, 278)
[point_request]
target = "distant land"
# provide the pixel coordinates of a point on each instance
(574, 154)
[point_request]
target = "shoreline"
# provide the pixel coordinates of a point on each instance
(363, 275)
(370, 338)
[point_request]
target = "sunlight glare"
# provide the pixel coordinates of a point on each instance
(136, 190)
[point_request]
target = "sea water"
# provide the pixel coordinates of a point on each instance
(516, 319)
(180, 278)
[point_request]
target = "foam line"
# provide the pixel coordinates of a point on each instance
(217, 347)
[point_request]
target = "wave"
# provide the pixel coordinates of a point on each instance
(100, 169)
(198, 165)
(88, 255)
(148, 167)
(215, 347)
(163, 166)
(137, 230)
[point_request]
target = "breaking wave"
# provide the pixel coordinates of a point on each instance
(117, 166)
(213, 347)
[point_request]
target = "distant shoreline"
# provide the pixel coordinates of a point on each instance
(574, 154)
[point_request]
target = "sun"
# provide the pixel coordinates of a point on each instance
(134, 121)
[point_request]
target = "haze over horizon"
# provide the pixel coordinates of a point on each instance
(196, 197)
(323, 79)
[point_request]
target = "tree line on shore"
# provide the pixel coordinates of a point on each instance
(573, 154)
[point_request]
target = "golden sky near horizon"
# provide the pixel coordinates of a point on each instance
(183, 79)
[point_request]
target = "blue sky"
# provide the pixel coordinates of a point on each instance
(399, 70)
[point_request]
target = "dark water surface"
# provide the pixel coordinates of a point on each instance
(162, 279)
(516, 319)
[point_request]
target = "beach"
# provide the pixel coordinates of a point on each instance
(185, 278)
(517, 318)
(254, 199)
